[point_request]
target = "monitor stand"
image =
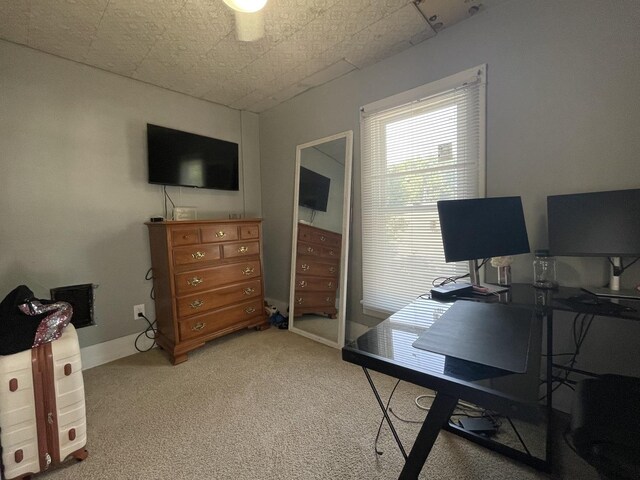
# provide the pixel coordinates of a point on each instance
(484, 288)
(614, 290)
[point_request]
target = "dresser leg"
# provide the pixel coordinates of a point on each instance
(263, 326)
(176, 359)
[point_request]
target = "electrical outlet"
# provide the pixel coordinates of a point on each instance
(138, 309)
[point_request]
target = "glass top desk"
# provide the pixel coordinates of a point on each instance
(388, 348)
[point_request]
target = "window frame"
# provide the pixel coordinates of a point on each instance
(420, 94)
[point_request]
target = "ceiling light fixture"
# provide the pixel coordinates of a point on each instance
(249, 18)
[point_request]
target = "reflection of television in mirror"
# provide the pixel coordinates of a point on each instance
(481, 228)
(189, 160)
(314, 190)
(597, 224)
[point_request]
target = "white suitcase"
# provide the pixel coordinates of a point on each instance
(42, 408)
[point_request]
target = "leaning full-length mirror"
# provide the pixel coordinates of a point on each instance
(322, 202)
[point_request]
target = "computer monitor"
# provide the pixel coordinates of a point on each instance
(597, 224)
(480, 228)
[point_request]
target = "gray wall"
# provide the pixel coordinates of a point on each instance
(73, 179)
(563, 115)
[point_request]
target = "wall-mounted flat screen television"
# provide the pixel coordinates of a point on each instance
(189, 160)
(314, 190)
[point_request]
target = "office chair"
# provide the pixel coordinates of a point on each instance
(605, 425)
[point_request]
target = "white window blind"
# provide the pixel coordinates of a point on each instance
(418, 147)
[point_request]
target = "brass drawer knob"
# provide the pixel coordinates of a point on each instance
(310, 249)
(196, 304)
(195, 281)
(332, 253)
(249, 310)
(243, 249)
(328, 299)
(198, 255)
(302, 283)
(305, 267)
(332, 269)
(221, 234)
(186, 237)
(198, 326)
(330, 284)
(299, 300)
(248, 270)
(249, 290)
(323, 238)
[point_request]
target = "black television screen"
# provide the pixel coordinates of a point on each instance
(596, 224)
(314, 190)
(190, 160)
(481, 228)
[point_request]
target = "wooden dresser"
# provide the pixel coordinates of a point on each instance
(317, 271)
(207, 278)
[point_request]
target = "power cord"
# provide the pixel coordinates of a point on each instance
(441, 281)
(581, 325)
(149, 330)
(149, 276)
(166, 196)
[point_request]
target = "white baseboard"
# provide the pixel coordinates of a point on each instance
(106, 352)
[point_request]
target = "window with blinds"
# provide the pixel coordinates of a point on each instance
(418, 147)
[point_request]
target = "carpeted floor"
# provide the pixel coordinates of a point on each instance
(263, 405)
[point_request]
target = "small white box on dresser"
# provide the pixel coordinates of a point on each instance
(185, 213)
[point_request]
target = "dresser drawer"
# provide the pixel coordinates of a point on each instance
(325, 238)
(212, 299)
(197, 254)
(202, 280)
(219, 233)
(307, 233)
(184, 236)
(309, 266)
(308, 249)
(304, 233)
(216, 320)
(318, 299)
(240, 249)
(305, 283)
(330, 253)
(249, 232)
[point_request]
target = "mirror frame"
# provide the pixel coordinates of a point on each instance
(344, 258)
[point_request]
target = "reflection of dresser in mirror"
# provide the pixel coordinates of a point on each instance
(317, 271)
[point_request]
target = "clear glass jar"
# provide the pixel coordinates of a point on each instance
(544, 270)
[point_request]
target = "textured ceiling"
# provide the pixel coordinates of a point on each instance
(189, 46)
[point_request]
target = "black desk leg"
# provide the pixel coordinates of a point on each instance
(384, 412)
(441, 409)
